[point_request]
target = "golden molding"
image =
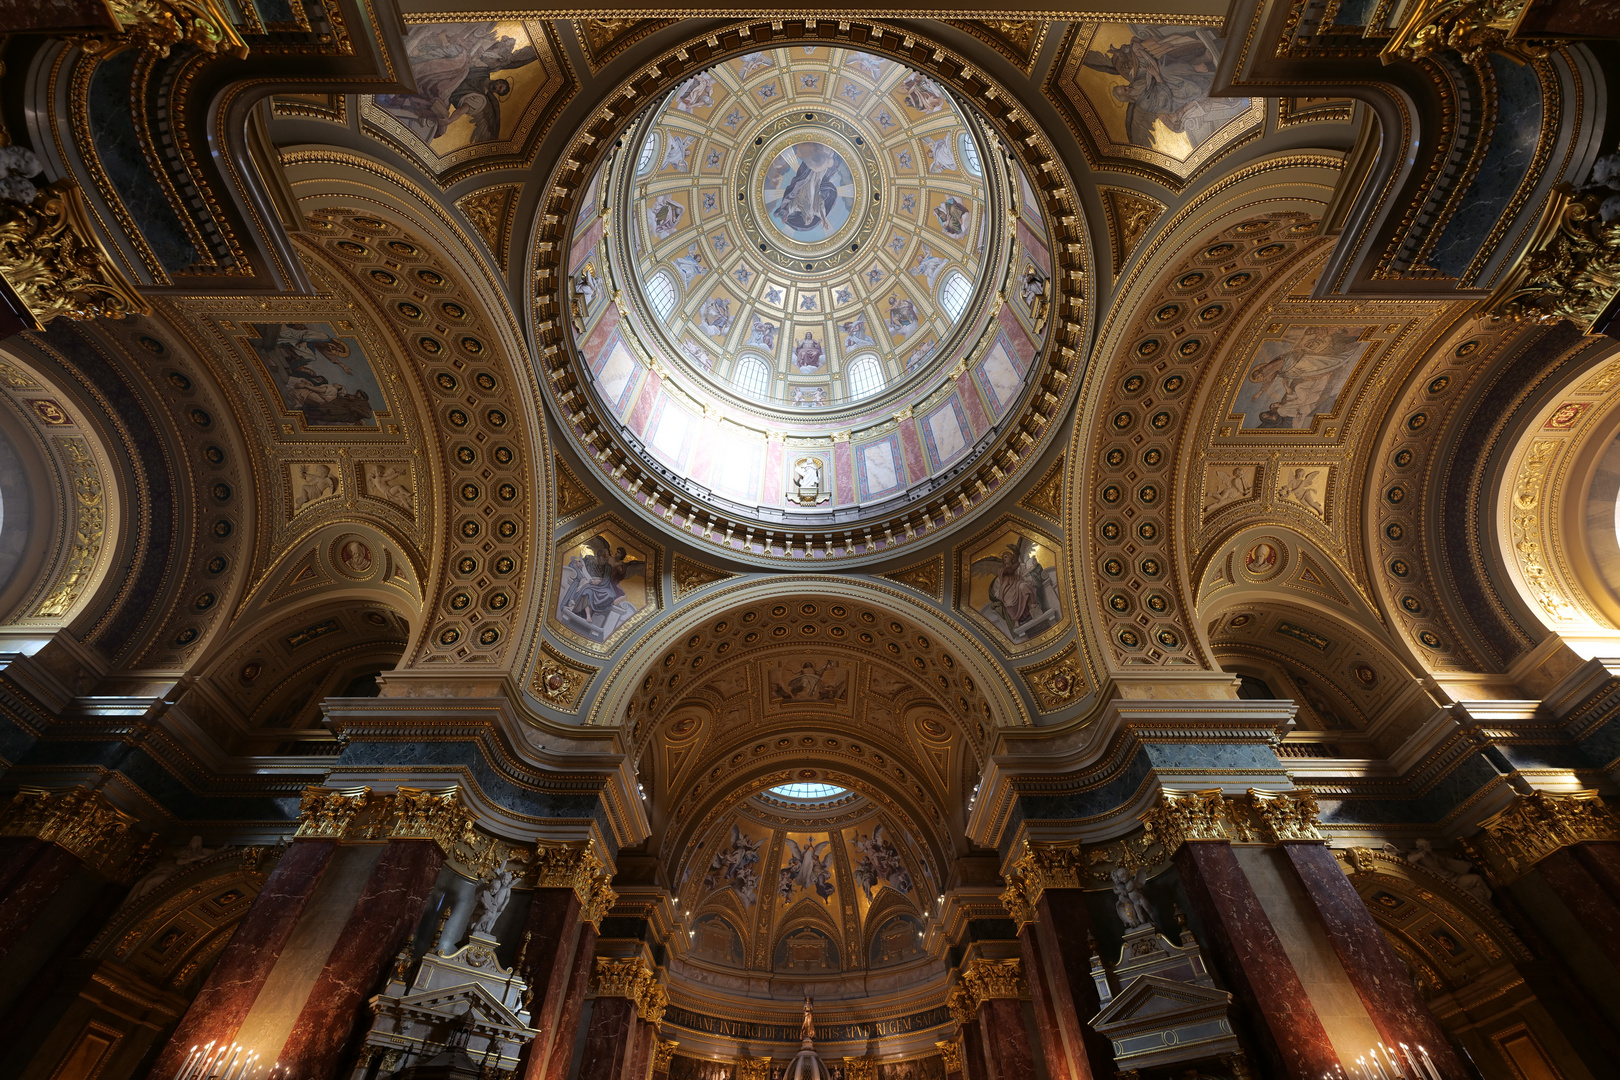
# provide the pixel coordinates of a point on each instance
(1046, 497)
(690, 575)
(559, 681)
(1056, 683)
(927, 577)
(1130, 216)
(572, 496)
(51, 259)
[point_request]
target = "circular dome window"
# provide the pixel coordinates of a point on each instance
(809, 286)
(807, 791)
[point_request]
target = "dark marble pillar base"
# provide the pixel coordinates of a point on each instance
(31, 888)
(1006, 1040)
(1292, 1041)
(554, 1065)
(1586, 898)
(553, 927)
(1381, 980)
(387, 912)
(217, 1012)
(1063, 931)
(608, 1040)
(973, 1059)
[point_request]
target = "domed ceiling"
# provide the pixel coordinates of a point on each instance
(809, 283)
(807, 885)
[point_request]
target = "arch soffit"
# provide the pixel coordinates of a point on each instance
(1291, 189)
(1048, 170)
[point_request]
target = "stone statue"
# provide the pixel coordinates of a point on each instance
(807, 1029)
(1129, 900)
(1458, 872)
(492, 898)
(808, 473)
(170, 865)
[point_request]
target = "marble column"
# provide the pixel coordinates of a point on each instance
(552, 928)
(973, 1057)
(663, 1051)
(638, 1064)
(389, 908)
(1602, 860)
(1063, 931)
(560, 1056)
(608, 1039)
(217, 1012)
(31, 887)
(1584, 893)
(1006, 1040)
(1380, 978)
(1048, 1027)
(1290, 1037)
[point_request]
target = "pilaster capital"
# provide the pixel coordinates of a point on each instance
(1038, 868)
(1266, 817)
(556, 867)
(83, 823)
(753, 1068)
(327, 813)
(663, 1051)
(950, 1052)
(1285, 815)
(619, 976)
(50, 257)
(1534, 826)
(600, 902)
(653, 1002)
(988, 980)
(1188, 815)
(963, 1009)
(860, 1068)
(438, 816)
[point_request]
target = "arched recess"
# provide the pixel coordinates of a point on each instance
(1157, 349)
(138, 976)
(488, 453)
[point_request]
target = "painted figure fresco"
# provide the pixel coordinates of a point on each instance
(1015, 590)
(809, 191)
(320, 373)
(664, 216)
(808, 354)
(1151, 83)
(736, 864)
(1293, 378)
(808, 867)
(953, 215)
(603, 586)
(823, 683)
(879, 864)
(464, 72)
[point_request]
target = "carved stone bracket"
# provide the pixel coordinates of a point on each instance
(1571, 269)
(986, 980)
(50, 257)
(1538, 824)
(83, 823)
(1471, 27)
(158, 25)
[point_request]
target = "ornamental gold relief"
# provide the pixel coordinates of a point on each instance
(52, 260)
(85, 824)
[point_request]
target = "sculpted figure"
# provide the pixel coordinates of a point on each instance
(492, 898)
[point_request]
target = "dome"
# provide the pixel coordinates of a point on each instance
(809, 285)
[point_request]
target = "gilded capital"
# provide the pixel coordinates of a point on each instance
(601, 901)
(950, 1052)
(50, 257)
(438, 816)
(158, 25)
(860, 1068)
(663, 1051)
(1290, 815)
(1571, 269)
(652, 1003)
(1538, 824)
(988, 980)
(961, 1005)
(1471, 27)
(1188, 815)
(83, 823)
(620, 977)
(1038, 868)
(327, 812)
(566, 868)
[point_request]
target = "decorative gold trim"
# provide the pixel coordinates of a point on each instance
(327, 812)
(927, 577)
(1130, 217)
(157, 25)
(489, 212)
(1057, 683)
(1040, 867)
(406, 813)
(991, 980)
(1471, 27)
(1285, 815)
(1535, 826)
(572, 496)
(1046, 496)
(663, 1051)
(1571, 268)
(691, 575)
(50, 257)
(950, 1052)
(559, 681)
(83, 823)
(630, 978)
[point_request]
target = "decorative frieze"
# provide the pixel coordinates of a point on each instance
(83, 823)
(1536, 825)
(402, 814)
(754, 1068)
(50, 257)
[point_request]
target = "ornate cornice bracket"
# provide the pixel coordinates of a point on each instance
(1470, 27)
(1040, 867)
(50, 257)
(1571, 268)
(1535, 826)
(159, 25)
(83, 823)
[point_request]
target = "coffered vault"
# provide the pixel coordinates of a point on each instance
(684, 512)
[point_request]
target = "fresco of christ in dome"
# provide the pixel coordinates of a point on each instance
(809, 191)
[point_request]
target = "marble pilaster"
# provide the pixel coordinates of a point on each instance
(552, 927)
(227, 995)
(608, 1039)
(1292, 1041)
(1602, 860)
(1584, 894)
(1063, 932)
(973, 1059)
(1005, 1040)
(560, 1057)
(1048, 1028)
(389, 908)
(1377, 973)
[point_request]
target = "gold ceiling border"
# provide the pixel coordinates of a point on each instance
(559, 681)
(1019, 40)
(1130, 216)
(1045, 496)
(573, 497)
(690, 575)
(927, 577)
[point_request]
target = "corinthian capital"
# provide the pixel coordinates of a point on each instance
(50, 257)
(158, 25)
(83, 823)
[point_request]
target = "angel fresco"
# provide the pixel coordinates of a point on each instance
(1023, 595)
(736, 864)
(592, 599)
(454, 65)
(1167, 72)
(953, 215)
(807, 867)
(923, 94)
(879, 864)
(320, 373)
(1299, 375)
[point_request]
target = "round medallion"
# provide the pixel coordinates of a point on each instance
(809, 192)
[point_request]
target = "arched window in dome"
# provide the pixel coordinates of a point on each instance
(970, 154)
(661, 294)
(865, 377)
(751, 375)
(648, 148)
(954, 295)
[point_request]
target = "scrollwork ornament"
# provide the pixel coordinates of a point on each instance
(326, 813)
(50, 257)
(1571, 269)
(1286, 815)
(83, 823)
(663, 1053)
(602, 899)
(1470, 27)
(1536, 825)
(158, 25)
(1188, 815)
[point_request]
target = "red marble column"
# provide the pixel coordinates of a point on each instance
(973, 1059)
(1006, 1040)
(1291, 1038)
(217, 1012)
(638, 1063)
(608, 1039)
(1585, 896)
(1382, 981)
(389, 908)
(552, 926)
(560, 1056)
(30, 888)
(1054, 1045)
(1602, 860)
(1063, 930)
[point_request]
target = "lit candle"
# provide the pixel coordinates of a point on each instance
(179, 1074)
(1428, 1063)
